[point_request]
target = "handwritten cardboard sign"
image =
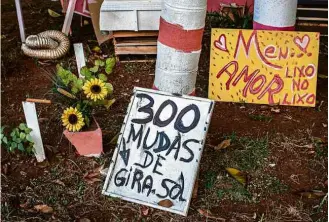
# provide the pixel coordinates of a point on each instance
(159, 149)
(265, 67)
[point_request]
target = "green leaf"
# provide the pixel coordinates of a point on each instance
(28, 130)
(87, 121)
(4, 139)
(99, 62)
(12, 134)
(22, 135)
(17, 140)
(102, 77)
(20, 147)
(29, 138)
(94, 69)
(108, 70)
(74, 90)
(22, 126)
(79, 84)
(85, 71)
(96, 49)
(110, 61)
(13, 145)
(109, 87)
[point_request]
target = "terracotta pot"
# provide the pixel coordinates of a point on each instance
(87, 143)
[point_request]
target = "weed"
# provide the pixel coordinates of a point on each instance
(233, 18)
(321, 149)
(81, 189)
(261, 118)
(210, 179)
(235, 193)
(251, 154)
(275, 186)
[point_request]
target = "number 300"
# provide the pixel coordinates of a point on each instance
(162, 123)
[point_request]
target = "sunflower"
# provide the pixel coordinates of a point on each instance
(72, 119)
(95, 89)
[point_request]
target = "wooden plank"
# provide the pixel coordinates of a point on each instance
(134, 34)
(135, 50)
(313, 9)
(312, 19)
(45, 101)
(161, 161)
(68, 17)
(136, 42)
(135, 60)
(80, 57)
(32, 122)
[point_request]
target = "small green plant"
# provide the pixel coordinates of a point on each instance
(100, 67)
(20, 139)
(233, 18)
(235, 193)
(210, 179)
(261, 118)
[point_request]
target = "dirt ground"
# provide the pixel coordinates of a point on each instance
(284, 153)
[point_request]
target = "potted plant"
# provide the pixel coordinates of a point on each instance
(81, 96)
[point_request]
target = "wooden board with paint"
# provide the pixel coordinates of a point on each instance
(159, 150)
(264, 67)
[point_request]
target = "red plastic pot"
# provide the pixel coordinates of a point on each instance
(87, 143)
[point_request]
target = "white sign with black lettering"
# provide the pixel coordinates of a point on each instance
(159, 149)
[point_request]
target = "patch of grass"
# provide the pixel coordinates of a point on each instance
(210, 179)
(261, 118)
(321, 149)
(236, 193)
(250, 153)
(275, 186)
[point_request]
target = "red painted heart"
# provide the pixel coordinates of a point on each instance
(221, 43)
(302, 43)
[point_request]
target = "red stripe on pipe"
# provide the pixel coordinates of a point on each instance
(190, 94)
(258, 26)
(176, 37)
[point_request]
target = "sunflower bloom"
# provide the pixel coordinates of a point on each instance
(95, 89)
(72, 119)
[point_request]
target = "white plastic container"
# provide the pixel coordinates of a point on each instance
(131, 15)
(275, 14)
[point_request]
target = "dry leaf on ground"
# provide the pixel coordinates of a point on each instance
(224, 144)
(53, 13)
(93, 176)
(165, 203)
(59, 182)
(312, 194)
(43, 208)
(275, 110)
(144, 210)
(241, 177)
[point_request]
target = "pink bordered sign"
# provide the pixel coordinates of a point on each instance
(264, 67)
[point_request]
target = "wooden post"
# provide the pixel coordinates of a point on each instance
(80, 57)
(32, 122)
(20, 20)
(68, 17)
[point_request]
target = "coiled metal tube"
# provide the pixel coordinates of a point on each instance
(50, 44)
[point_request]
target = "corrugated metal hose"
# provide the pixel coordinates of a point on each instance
(50, 44)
